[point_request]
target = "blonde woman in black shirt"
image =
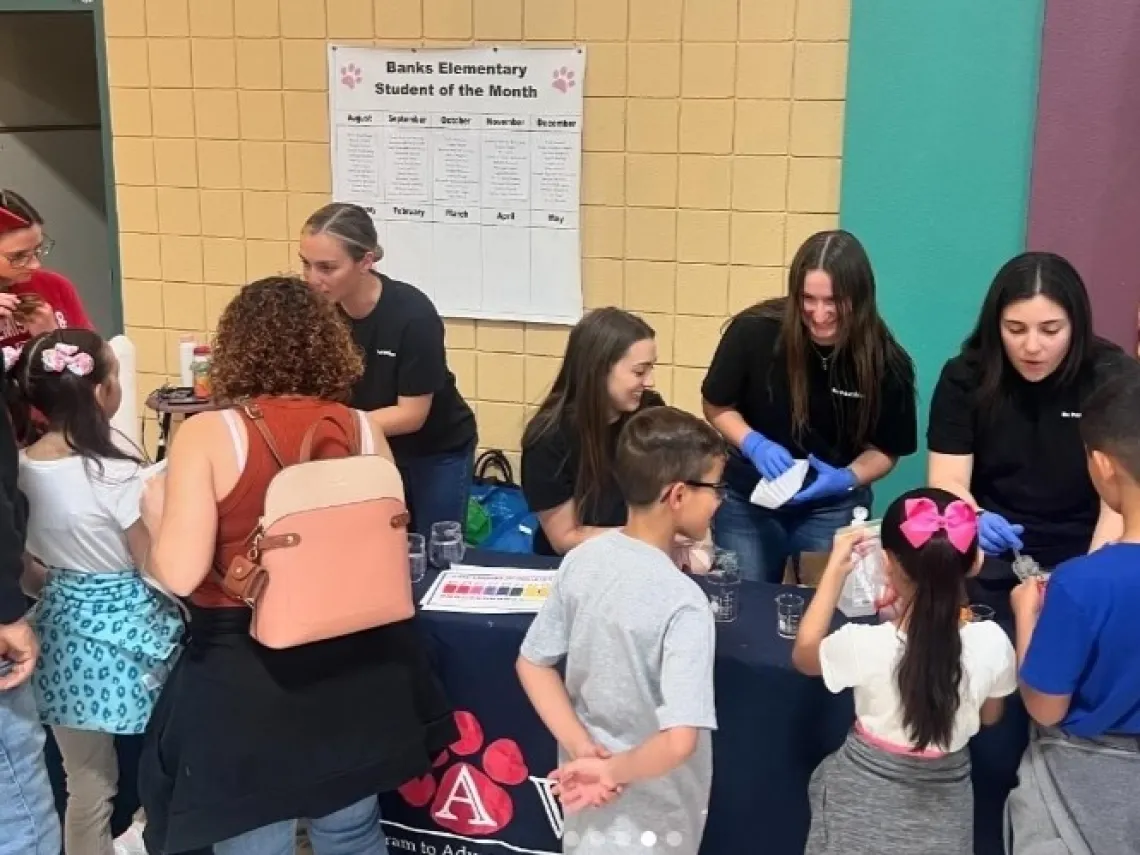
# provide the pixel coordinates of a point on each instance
(407, 388)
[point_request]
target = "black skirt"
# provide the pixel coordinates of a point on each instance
(244, 736)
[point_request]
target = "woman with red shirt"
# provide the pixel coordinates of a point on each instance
(53, 302)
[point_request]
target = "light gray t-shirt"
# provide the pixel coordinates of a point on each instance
(638, 638)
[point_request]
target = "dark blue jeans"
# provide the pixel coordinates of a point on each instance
(436, 487)
(764, 540)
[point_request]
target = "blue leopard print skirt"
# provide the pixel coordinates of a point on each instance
(107, 643)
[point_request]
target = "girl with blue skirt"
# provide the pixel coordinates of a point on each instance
(108, 637)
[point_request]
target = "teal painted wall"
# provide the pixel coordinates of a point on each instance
(937, 148)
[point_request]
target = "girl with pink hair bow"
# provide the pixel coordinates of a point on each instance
(924, 683)
(107, 635)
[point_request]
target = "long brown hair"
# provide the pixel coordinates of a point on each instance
(865, 350)
(579, 397)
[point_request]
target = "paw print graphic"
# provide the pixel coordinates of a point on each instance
(351, 75)
(563, 79)
(469, 798)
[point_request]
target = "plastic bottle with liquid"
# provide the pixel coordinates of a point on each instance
(867, 580)
(200, 369)
(186, 345)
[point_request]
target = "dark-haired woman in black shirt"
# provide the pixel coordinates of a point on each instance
(815, 375)
(568, 446)
(1004, 430)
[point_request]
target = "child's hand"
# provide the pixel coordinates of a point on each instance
(1026, 598)
(587, 771)
(587, 782)
(576, 797)
(842, 559)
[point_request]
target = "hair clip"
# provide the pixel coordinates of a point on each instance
(10, 222)
(67, 357)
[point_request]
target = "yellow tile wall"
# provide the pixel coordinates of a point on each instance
(712, 145)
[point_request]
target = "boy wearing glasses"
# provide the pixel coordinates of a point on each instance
(633, 718)
(33, 300)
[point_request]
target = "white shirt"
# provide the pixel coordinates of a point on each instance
(864, 657)
(77, 517)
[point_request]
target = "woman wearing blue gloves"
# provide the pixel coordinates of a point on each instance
(1005, 417)
(816, 375)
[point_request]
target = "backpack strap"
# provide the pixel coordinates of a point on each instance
(257, 418)
(351, 433)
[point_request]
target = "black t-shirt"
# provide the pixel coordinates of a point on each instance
(749, 373)
(1029, 459)
(402, 339)
(550, 471)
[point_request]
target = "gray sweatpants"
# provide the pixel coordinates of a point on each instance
(1075, 797)
(865, 801)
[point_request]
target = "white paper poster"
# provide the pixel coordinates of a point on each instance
(470, 161)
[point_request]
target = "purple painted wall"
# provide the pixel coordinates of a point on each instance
(1085, 190)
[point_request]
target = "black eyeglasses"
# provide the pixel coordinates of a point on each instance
(718, 486)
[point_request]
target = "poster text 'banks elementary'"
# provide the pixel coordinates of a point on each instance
(447, 67)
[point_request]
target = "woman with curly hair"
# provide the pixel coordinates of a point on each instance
(407, 388)
(245, 740)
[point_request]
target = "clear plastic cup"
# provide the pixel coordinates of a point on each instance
(722, 584)
(979, 613)
(446, 545)
(417, 556)
(789, 613)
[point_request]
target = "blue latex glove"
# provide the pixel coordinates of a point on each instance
(830, 481)
(770, 458)
(996, 535)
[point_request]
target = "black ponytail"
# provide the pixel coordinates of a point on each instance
(929, 673)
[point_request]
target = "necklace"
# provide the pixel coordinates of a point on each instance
(824, 360)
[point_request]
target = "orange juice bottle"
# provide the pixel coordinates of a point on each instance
(200, 369)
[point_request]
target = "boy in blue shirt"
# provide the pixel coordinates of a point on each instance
(1078, 646)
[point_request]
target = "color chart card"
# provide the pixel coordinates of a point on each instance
(488, 590)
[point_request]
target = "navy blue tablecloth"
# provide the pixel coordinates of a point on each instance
(775, 726)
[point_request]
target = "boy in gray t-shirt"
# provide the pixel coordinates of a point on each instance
(634, 717)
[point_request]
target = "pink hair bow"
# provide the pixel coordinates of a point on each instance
(67, 357)
(960, 522)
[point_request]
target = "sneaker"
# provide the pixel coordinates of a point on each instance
(131, 841)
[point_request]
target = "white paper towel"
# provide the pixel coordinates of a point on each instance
(773, 494)
(126, 420)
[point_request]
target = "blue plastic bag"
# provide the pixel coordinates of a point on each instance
(512, 523)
